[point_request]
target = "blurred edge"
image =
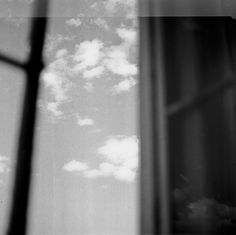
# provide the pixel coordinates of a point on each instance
(148, 8)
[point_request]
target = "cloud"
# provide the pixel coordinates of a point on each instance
(53, 107)
(94, 72)
(58, 87)
(56, 79)
(54, 40)
(119, 160)
(201, 214)
(113, 6)
(121, 150)
(102, 23)
(89, 87)
(4, 164)
(76, 22)
(110, 170)
(124, 86)
(118, 57)
(75, 166)
(128, 35)
(117, 62)
(61, 53)
(84, 121)
(90, 59)
(88, 54)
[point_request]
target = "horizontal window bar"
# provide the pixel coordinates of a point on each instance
(11, 61)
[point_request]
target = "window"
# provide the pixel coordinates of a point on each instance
(81, 173)
(187, 121)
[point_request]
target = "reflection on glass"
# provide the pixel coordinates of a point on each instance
(200, 55)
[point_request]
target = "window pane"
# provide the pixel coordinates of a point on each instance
(11, 92)
(86, 170)
(14, 32)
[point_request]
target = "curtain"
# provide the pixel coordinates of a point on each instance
(187, 105)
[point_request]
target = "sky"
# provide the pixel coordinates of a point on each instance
(85, 178)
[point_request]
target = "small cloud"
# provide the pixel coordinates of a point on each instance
(56, 77)
(61, 53)
(89, 87)
(128, 35)
(76, 22)
(88, 54)
(120, 160)
(84, 121)
(4, 164)
(94, 72)
(129, 6)
(105, 169)
(54, 40)
(100, 22)
(121, 150)
(124, 86)
(117, 61)
(75, 166)
(121, 155)
(53, 107)
(92, 173)
(94, 5)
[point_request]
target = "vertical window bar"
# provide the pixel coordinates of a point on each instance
(20, 201)
(155, 203)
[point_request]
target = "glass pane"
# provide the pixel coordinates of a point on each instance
(86, 169)
(11, 93)
(93, 8)
(14, 28)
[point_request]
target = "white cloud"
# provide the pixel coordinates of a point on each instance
(120, 160)
(121, 150)
(128, 35)
(101, 22)
(84, 121)
(117, 62)
(91, 59)
(89, 87)
(58, 85)
(125, 174)
(88, 54)
(4, 164)
(54, 40)
(75, 166)
(61, 53)
(128, 6)
(94, 72)
(56, 78)
(110, 170)
(111, 5)
(124, 86)
(74, 22)
(53, 107)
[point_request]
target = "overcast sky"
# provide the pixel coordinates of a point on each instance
(86, 167)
